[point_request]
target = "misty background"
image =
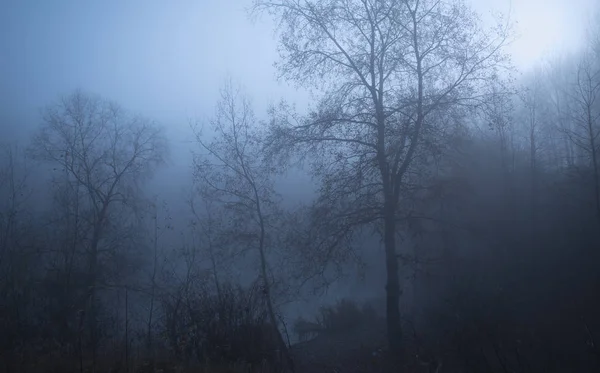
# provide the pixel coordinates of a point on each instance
(169, 61)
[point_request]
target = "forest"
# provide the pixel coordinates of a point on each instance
(464, 191)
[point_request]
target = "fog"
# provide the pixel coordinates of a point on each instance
(203, 173)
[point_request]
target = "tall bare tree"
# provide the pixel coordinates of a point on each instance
(533, 101)
(558, 76)
(105, 153)
(586, 114)
(498, 116)
(388, 72)
(231, 173)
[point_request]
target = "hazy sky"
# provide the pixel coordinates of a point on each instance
(542, 25)
(167, 59)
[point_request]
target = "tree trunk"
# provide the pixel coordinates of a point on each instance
(93, 319)
(93, 283)
(392, 287)
(592, 136)
(126, 330)
(596, 183)
(284, 356)
(534, 182)
(150, 339)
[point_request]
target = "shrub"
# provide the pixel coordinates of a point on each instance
(305, 329)
(344, 315)
(228, 328)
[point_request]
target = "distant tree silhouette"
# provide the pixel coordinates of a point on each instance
(103, 154)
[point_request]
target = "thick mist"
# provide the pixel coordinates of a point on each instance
(284, 185)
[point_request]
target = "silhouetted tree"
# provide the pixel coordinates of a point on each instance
(586, 114)
(19, 258)
(230, 171)
(104, 153)
(389, 73)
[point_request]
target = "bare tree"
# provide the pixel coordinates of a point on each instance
(14, 193)
(389, 72)
(498, 115)
(232, 174)
(105, 153)
(158, 230)
(558, 79)
(533, 106)
(18, 260)
(586, 115)
(207, 226)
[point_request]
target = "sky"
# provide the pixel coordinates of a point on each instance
(543, 27)
(167, 59)
(163, 59)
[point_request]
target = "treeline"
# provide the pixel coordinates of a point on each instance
(484, 194)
